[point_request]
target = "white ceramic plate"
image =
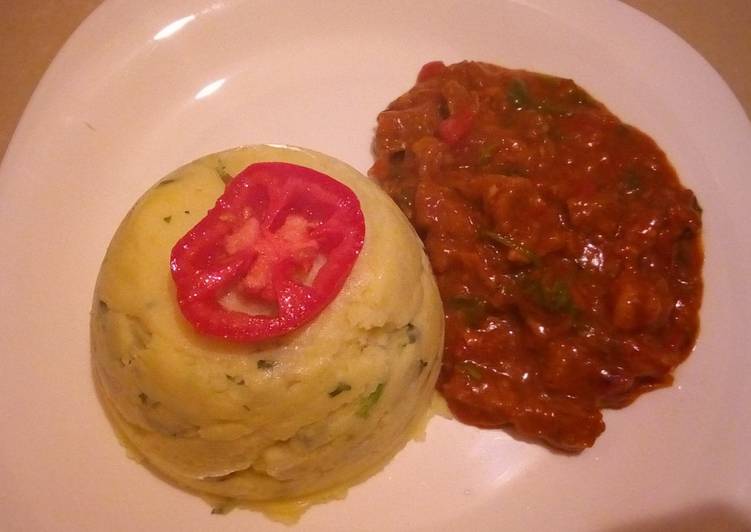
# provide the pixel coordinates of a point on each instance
(127, 100)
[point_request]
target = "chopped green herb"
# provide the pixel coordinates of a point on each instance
(499, 238)
(630, 182)
(471, 308)
(146, 401)
(234, 378)
(413, 333)
(553, 298)
(696, 206)
(555, 108)
(509, 242)
(167, 219)
(486, 153)
(223, 174)
(367, 403)
(341, 387)
(517, 94)
(507, 168)
(470, 370)
(266, 364)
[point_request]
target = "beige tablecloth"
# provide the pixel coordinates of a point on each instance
(32, 31)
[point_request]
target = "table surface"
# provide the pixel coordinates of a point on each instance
(32, 31)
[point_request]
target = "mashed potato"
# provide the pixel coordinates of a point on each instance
(287, 418)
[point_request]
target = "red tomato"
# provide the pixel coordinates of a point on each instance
(456, 127)
(431, 70)
(272, 253)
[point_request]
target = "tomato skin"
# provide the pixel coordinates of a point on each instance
(259, 243)
(431, 70)
(456, 127)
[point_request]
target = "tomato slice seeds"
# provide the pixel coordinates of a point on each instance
(271, 254)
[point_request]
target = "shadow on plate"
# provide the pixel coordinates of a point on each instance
(709, 517)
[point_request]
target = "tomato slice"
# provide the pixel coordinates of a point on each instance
(272, 253)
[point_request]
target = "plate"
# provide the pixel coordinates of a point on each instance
(143, 87)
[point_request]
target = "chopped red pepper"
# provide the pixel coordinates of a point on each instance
(272, 253)
(456, 127)
(431, 70)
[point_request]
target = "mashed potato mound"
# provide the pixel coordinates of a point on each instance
(287, 418)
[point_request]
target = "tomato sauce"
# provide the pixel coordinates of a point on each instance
(567, 253)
